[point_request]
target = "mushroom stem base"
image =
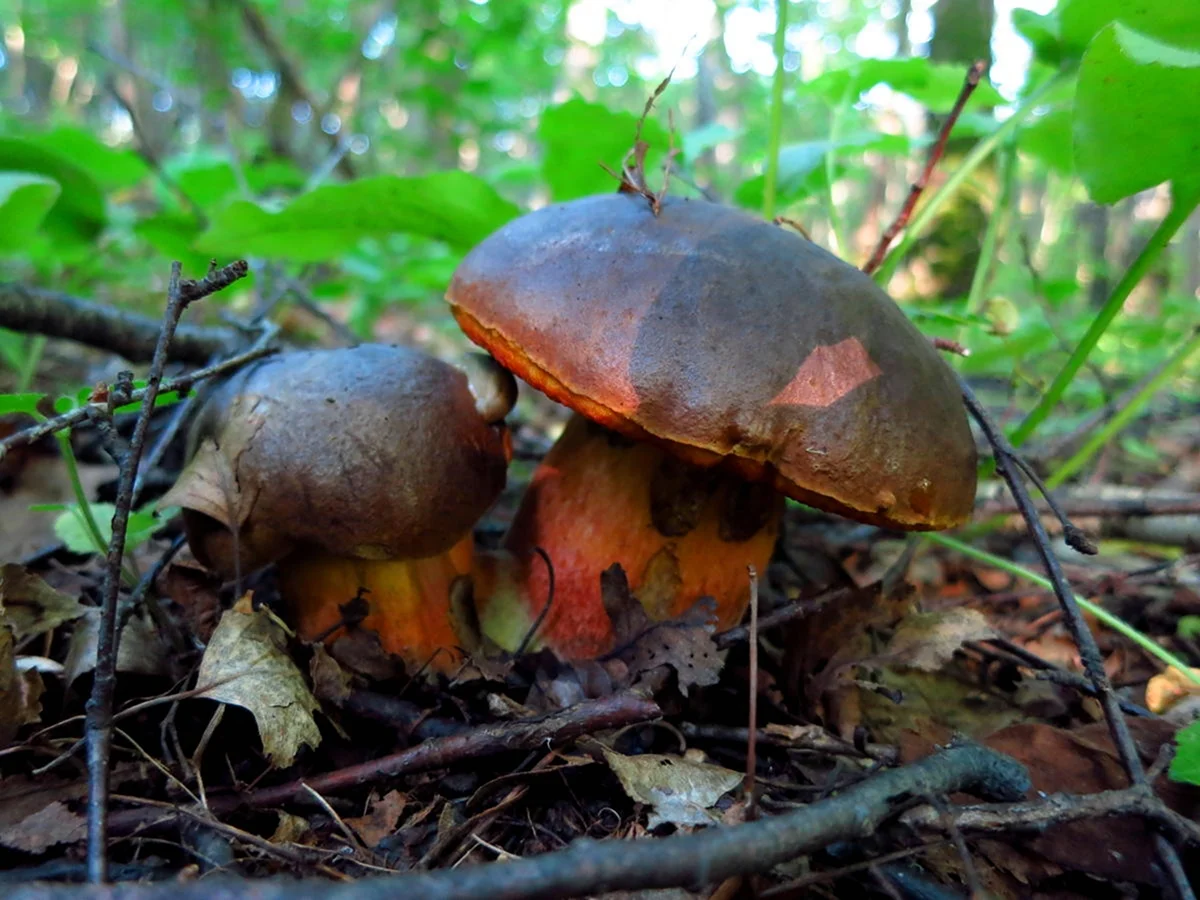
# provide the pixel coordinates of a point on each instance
(408, 601)
(680, 533)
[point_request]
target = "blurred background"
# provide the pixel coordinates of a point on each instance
(355, 150)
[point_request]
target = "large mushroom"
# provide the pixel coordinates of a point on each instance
(716, 363)
(361, 472)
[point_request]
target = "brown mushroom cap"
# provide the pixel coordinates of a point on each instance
(726, 338)
(374, 452)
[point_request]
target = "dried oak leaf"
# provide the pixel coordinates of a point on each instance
(383, 814)
(20, 691)
(679, 790)
(330, 681)
(197, 593)
(141, 652)
(685, 643)
(247, 665)
(929, 640)
(39, 813)
(31, 606)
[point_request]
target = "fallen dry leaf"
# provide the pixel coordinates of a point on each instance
(142, 651)
(20, 692)
(39, 813)
(247, 665)
(929, 640)
(291, 829)
(383, 814)
(197, 592)
(32, 606)
(1168, 688)
(330, 681)
(679, 790)
(684, 643)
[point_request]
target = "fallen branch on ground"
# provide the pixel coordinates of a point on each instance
(127, 334)
(593, 867)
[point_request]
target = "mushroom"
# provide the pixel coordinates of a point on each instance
(361, 472)
(716, 363)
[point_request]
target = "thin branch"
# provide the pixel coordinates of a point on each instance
(127, 334)
(1089, 653)
(752, 723)
(98, 722)
(588, 867)
(1108, 507)
(797, 609)
(182, 383)
(974, 74)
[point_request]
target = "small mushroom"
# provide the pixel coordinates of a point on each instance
(716, 363)
(360, 471)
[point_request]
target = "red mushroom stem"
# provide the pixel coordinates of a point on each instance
(680, 532)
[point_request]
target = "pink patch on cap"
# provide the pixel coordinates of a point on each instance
(828, 374)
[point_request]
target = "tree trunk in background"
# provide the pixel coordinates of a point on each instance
(1093, 221)
(962, 34)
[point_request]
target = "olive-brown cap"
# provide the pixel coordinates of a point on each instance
(726, 338)
(375, 452)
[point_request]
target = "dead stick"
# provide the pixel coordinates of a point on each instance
(183, 383)
(935, 155)
(589, 867)
(752, 726)
(98, 722)
(1089, 653)
(135, 337)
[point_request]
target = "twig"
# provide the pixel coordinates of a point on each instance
(1057, 809)
(541, 616)
(974, 74)
(752, 726)
(1089, 652)
(788, 612)
(181, 383)
(437, 753)
(588, 867)
(127, 334)
(98, 722)
(1109, 507)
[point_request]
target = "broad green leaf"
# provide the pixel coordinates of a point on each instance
(1165, 20)
(577, 136)
(1186, 764)
(20, 403)
(802, 166)
(1047, 138)
(25, 199)
(71, 529)
(705, 138)
(934, 85)
(174, 235)
(111, 169)
(455, 207)
(78, 215)
(1137, 120)
(1044, 33)
(12, 349)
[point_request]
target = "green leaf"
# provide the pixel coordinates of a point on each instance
(802, 166)
(25, 199)
(1186, 764)
(174, 235)
(1165, 20)
(934, 85)
(111, 169)
(78, 215)
(1044, 33)
(455, 207)
(1137, 122)
(20, 403)
(706, 137)
(71, 529)
(577, 136)
(1188, 626)
(1047, 139)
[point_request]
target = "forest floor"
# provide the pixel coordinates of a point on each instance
(875, 651)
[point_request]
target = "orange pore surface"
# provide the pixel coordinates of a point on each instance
(409, 600)
(588, 506)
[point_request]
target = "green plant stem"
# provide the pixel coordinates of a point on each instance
(979, 153)
(991, 237)
(1123, 417)
(33, 356)
(1180, 210)
(1104, 616)
(771, 177)
(841, 248)
(83, 507)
